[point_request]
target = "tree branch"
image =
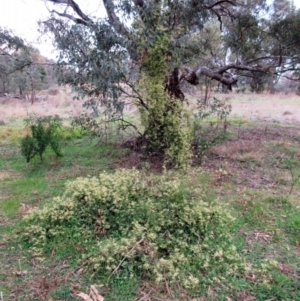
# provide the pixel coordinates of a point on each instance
(76, 20)
(221, 2)
(139, 3)
(113, 18)
(243, 68)
(138, 96)
(224, 78)
(75, 8)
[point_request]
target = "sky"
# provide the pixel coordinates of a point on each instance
(22, 16)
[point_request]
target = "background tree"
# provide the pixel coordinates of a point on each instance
(5, 69)
(26, 81)
(143, 44)
(23, 70)
(10, 45)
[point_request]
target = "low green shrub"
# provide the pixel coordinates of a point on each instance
(28, 149)
(44, 132)
(136, 225)
(70, 133)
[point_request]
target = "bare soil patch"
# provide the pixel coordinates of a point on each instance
(249, 160)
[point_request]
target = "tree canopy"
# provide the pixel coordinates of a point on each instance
(153, 46)
(256, 37)
(23, 70)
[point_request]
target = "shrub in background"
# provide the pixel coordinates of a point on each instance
(130, 225)
(44, 132)
(210, 125)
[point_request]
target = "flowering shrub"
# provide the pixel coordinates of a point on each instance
(133, 224)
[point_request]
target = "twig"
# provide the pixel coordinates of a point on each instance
(145, 297)
(294, 177)
(20, 269)
(168, 289)
(78, 268)
(126, 256)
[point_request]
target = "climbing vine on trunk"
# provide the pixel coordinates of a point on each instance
(167, 125)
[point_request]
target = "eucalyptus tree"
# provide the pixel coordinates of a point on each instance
(5, 67)
(265, 37)
(142, 45)
(22, 68)
(9, 45)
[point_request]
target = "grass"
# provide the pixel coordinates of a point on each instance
(24, 186)
(38, 181)
(249, 173)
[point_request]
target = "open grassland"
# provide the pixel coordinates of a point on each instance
(55, 101)
(265, 107)
(255, 173)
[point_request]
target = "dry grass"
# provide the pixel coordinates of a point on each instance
(4, 174)
(254, 158)
(57, 101)
(266, 107)
(238, 149)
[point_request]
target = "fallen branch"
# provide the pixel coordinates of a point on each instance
(126, 256)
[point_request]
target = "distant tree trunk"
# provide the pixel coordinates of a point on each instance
(21, 91)
(32, 92)
(207, 90)
(32, 96)
(4, 83)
